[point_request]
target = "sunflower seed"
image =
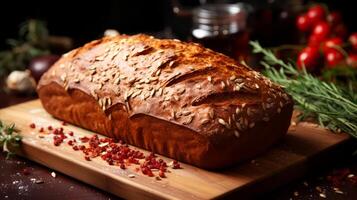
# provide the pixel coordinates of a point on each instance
(211, 114)
(237, 110)
(223, 85)
(185, 113)
(224, 123)
(204, 121)
(63, 77)
(158, 72)
(189, 120)
(117, 81)
(181, 91)
(173, 114)
(159, 92)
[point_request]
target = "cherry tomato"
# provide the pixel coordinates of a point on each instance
(340, 30)
(331, 43)
(333, 57)
(308, 57)
(314, 41)
(353, 40)
(334, 18)
(316, 14)
(302, 23)
(321, 31)
(352, 60)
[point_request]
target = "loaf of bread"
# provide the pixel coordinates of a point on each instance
(173, 98)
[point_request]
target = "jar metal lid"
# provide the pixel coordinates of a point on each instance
(221, 14)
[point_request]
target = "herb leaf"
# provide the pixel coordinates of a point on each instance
(332, 106)
(9, 137)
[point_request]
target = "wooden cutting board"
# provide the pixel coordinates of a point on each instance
(305, 146)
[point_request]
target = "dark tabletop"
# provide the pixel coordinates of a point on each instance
(24, 179)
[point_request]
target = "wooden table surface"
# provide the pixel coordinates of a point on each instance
(17, 175)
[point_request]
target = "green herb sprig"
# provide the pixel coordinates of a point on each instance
(9, 137)
(332, 106)
(31, 42)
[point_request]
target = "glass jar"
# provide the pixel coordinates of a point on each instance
(223, 28)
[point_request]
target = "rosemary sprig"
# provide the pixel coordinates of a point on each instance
(9, 136)
(332, 106)
(31, 42)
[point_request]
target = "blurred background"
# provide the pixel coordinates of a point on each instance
(87, 20)
(31, 29)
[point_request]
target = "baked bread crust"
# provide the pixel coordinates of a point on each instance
(173, 98)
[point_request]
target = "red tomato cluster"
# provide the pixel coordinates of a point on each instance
(326, 33)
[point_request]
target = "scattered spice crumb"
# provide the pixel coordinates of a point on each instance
(318, 188)
(53, 174)
(39, 181)
(306, 184)
(337, 190)
(296, 193)
(131, 176)
(322, 195)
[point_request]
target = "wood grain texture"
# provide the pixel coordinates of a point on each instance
(289, 159)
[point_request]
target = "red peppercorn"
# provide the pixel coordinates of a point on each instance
(32, 125)
(70, 142)
(176, 166)
(84, 139)
(163, 169)
(316, 14)
(162, 174)
(122, 166)
(87, 158)
(41, 130)
(110, 161)
(308, 57)
(64, 123)
(57, 142)
(75, 148)
(26, 171)
(302, 23)
(71, 133)
(50, 128)
(149, 173)
(353, 40)
(333, 57)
